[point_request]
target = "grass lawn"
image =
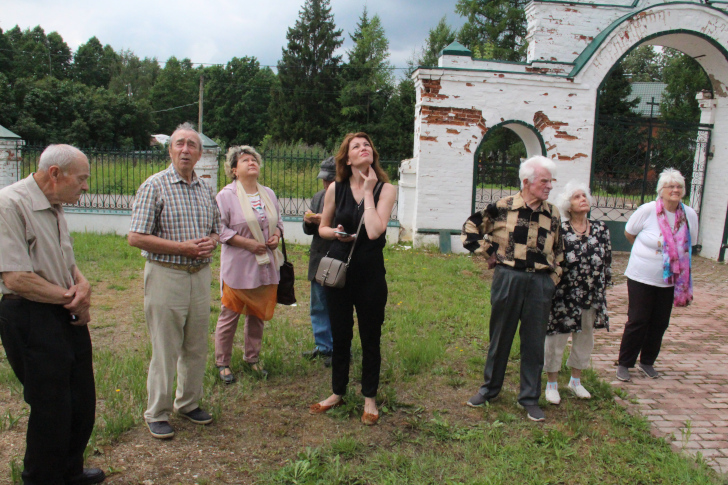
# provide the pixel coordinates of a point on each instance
(433, 345)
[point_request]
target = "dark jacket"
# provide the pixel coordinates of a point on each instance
(319, 245)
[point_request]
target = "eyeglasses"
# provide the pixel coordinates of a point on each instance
(673, 187)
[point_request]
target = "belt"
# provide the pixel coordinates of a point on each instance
(189, 268)
(12, 296)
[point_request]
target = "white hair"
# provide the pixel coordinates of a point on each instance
(563, 200)
(186, 126)
(528, 168)
(61, 156)
(670, 175)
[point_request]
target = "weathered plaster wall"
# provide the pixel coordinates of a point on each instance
(461, 100)
(9, 162)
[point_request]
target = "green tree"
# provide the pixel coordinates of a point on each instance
(36, 55)
(494, 28)
(175, 94)
(441, 36)
(395, 134)
(94, 64)
(237, 98)
(643, 64)
(685, 78)
(367, 78)
(133, 76)
(304, 105)
(613, 95)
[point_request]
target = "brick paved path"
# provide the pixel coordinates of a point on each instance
(688, 405)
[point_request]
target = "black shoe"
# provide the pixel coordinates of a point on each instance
(327, 361)
(312, 354)
(88, 476)
(198, 416)
(534, 412)
(226, 378)
(648, 371)
(477, 401)
(161, 429)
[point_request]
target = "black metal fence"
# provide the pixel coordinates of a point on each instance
(116, 175)
(629, 156)
(497, 162)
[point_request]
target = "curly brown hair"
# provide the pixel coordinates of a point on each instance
(343, 171)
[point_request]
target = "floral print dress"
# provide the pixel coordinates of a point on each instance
(587, 274)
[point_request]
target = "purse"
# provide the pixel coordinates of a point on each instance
(332, 272)
(286, 294)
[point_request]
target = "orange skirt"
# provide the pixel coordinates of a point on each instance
(259, 302)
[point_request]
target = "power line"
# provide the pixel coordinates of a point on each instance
(176, 107)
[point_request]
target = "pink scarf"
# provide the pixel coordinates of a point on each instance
(676, 253)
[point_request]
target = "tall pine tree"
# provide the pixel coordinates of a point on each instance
(304, 103)
(367, 78)
(496, 29)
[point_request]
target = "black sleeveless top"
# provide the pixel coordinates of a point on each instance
(348, 213)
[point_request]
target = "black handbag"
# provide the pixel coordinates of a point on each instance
(286, 293)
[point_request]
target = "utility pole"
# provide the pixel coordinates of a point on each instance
(199, 116)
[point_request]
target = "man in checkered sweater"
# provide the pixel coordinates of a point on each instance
(521, 236)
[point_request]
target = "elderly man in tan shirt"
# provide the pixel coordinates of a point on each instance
(44, 314)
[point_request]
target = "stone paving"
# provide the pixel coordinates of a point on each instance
(688, 404)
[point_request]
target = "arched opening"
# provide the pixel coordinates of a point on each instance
(498, 157)
(647, 119)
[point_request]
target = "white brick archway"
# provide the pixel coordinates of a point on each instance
(572, 48)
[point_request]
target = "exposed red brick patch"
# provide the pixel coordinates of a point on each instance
(469, 84)
(467, 147)
(541, 122)
(572, 94)
(431, 89)
(428, 138)
(453, 131)
(436, 115)
(565, 158)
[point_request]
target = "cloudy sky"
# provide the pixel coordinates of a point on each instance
(214, 31)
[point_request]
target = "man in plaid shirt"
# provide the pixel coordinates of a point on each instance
(175, 222)
(521, 235)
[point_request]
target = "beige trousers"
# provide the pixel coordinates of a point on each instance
(177, 307)
(582, 344)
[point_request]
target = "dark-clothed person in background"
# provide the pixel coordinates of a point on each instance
(250, 261)
(320, 322)
(175, 222)
(580, 302)
(44, 316)
(658, 273)
(361, 192)
(521, 236)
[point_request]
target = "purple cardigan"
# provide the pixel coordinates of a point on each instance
(238, 267)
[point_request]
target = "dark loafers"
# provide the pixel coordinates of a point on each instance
(88, 476)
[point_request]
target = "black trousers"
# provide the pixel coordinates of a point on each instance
(648, 316)
(365, 290)
(52, 359)
(517, 296)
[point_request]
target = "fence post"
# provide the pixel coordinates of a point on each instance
(10, 153)
(207, 167)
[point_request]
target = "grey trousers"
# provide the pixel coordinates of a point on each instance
(177, 307)
(517, 295)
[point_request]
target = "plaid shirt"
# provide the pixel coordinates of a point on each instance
(168, 207)
(522, 238)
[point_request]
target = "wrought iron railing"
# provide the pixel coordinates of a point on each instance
(117, 174)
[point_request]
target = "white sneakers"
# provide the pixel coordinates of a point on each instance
(579, 391)
(552, 396)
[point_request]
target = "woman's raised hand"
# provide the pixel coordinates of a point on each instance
(370, 180)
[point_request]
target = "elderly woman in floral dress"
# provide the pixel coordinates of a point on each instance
(580, 302)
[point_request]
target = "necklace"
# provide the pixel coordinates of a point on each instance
(583, 232)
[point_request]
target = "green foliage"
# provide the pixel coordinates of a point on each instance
(178, 84)
(613, 95)
(237, 97)
(439, 37)
(367, 79)
(644, 64)
(36, 55)
(134, 77)
(495, 29)
(304, 105)
(685, 78)
(94, 64)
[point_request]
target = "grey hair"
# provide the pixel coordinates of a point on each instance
(186, 126)
(528, 168)
(61, 156)
(563, 200)
(233, 153)
(670, 175)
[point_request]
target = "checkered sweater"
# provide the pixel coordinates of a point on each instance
(520, 237)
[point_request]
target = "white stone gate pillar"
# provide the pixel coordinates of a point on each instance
(10, 154)
(207, 167)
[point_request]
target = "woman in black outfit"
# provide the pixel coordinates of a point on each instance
(362, 189)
